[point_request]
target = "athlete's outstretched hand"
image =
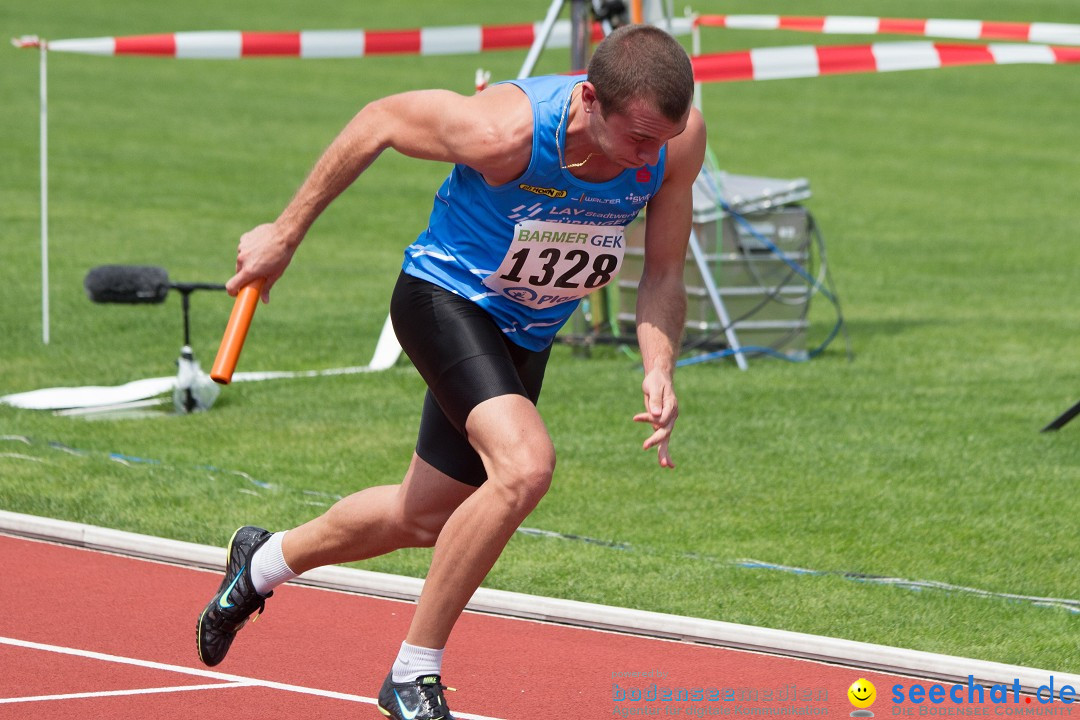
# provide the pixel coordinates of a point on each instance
(661, 411)
(264, 252)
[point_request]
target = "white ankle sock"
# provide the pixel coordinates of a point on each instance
(268, 566)
(412, 662)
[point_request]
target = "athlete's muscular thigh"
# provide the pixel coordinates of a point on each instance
(511, 438)
(427, 498)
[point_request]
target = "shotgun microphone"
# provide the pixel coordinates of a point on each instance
(135, 285)
(131, 284)
(149, 285)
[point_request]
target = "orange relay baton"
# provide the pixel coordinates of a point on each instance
(235, 332)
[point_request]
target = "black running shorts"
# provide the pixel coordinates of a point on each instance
(465, 359)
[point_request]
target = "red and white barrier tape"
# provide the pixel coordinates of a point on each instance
(758, 64)
(1037, 32)
(230, 45)
(810, 61)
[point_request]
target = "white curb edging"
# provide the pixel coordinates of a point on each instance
(568, 612)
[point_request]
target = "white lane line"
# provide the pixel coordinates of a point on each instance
(119, 693)
(235, 679)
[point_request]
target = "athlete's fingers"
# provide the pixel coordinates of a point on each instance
(239, 281)
(659, 396)
(660, 432)
(667, 416)
(245, 277)
(664, 456)
(659, 439)
(263, 253)
(661, 411)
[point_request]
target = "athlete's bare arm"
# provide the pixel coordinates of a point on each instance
(661, 303)
(490, 132)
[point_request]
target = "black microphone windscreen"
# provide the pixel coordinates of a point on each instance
(127, 284)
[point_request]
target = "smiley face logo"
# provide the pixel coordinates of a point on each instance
(862, 693)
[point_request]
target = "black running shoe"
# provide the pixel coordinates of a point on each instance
(421, 699)
(236, 598)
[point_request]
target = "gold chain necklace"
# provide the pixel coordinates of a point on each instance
(562, 157)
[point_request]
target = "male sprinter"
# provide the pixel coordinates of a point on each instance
(547, 173)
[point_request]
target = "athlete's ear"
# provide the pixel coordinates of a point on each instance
(589, 100)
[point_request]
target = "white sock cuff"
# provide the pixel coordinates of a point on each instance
(268, 566)
(413, 662)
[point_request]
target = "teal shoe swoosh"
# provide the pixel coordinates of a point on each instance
(406, 712)
(223, 601)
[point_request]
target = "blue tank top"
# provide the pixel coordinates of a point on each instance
(527, 251)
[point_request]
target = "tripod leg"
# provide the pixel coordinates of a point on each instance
(1064, 418)
(541, 39)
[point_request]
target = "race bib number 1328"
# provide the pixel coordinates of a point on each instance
(550, 263)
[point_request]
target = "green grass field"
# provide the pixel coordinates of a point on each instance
(948, 202)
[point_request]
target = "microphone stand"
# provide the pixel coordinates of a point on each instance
(194, 391)
(185, 290)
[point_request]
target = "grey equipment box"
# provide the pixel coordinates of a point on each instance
(765, 298)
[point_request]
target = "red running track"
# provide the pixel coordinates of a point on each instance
(86, 634)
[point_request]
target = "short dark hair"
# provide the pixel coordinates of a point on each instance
(642, 62)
